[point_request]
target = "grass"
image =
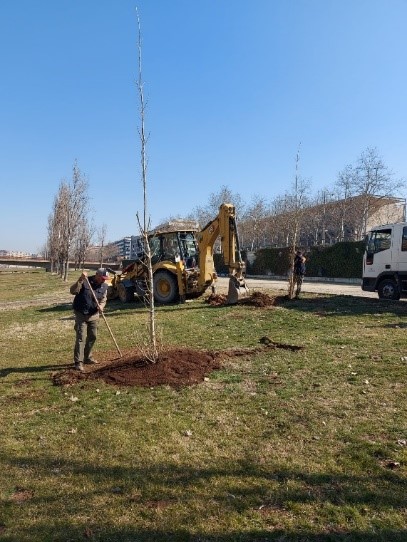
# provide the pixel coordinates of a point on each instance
(280, 445)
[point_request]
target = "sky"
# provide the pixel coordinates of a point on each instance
(233, 89)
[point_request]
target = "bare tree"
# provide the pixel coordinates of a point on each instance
(67, 220)
(144, 224)
(253, 223)
(101, 240)
(58, 228)
(53, 243)
(82, 242)
(206, 213)
(371, 179)
(111, 252)
(344, 190)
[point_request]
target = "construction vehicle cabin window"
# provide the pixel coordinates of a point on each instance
(169, 246)
(188, 245)
(189, 249)
(154, 247)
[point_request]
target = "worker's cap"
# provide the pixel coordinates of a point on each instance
(103, 273)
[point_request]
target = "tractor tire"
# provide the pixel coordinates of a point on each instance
(165, 287)
(126, 293)
(111, 293)
(388, 289)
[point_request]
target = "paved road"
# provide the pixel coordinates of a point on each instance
(308, 286)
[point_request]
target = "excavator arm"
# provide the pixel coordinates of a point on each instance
(223, 226)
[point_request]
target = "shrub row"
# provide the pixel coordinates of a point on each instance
(342, 260)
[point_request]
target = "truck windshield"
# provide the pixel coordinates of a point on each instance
(404, 240)
(378, 241)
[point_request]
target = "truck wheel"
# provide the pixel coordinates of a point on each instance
(165, 287)
(388, 289)
(126, 294)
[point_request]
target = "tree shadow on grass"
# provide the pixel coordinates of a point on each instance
(330, 305)
(160, 495)
(63, 307)
(32, 369)
(345, 305)
(93, 532)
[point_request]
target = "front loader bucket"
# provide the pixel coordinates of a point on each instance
(237, 287)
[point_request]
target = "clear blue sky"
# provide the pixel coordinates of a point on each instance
(233, 87)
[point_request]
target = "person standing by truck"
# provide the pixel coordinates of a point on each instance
(298, 271)
(86, 311)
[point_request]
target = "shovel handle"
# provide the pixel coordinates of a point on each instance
(103, 316)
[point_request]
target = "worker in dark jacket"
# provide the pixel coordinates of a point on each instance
(299, 271)
(87, 314)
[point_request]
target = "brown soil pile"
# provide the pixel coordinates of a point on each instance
(255, 299)
(216, 300)
(177, 368)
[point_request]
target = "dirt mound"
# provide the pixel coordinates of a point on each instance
(260, 299)
(216, 300)
(256, 299)
(177, 368)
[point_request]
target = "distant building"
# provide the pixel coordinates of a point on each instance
(136, 248)
(386, 211)
(16, 254)
(123, 247)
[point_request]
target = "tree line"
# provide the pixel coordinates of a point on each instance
(338, 212)
(296, 218)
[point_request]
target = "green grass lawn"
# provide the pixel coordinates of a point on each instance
(278, 445)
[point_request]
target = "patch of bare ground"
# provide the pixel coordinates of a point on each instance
(175, 367)
(21, 495)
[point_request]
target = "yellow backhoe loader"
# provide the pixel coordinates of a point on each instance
(182, 261)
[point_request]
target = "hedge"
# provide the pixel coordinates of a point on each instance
(342, 260)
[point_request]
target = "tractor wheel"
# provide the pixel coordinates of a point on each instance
(111, 293)
(388, 289)
(126, 293)
(165, 287)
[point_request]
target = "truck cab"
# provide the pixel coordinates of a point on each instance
(385, 261)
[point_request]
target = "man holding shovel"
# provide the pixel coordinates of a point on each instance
(90, 300)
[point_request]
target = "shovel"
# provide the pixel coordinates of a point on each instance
(103, 316)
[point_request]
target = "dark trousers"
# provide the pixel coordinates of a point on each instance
(86, 328)
(298, 281)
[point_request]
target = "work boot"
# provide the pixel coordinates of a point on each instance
(91, 361)
(78, 366)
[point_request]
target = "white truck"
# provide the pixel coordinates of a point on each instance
(385, 261)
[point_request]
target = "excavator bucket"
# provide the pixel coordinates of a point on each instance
(237, 287)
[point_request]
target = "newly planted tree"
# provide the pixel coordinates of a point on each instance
(295, 204)
(144, 222)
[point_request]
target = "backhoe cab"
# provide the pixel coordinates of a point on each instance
(182, 261)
